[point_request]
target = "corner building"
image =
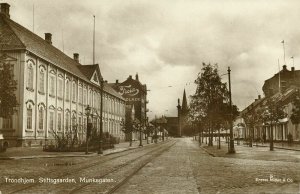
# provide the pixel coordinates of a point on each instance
(53, 89)
(135, 95)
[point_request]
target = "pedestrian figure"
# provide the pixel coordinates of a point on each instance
(261, 140)
(264, 138)
(290, 138)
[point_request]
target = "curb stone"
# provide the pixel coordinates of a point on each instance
(65, 156)
(210, 153)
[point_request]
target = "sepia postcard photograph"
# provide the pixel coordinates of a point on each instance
(150, 97)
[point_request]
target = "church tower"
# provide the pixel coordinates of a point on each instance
(184, 110)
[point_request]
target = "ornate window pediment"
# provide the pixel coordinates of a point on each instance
(6, 58)
(95, 78)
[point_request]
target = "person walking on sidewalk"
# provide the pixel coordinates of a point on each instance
(290, 138)
(264, 138)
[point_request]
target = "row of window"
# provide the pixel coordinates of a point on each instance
(6, 123)
(68, 125)
(93, 97)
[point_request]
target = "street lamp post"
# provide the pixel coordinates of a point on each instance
(140, 130)
(100, 150)
(155, 131)
(147, 129)
(87, 112)
(231, 147)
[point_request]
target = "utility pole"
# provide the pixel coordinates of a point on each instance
(231, 149)
(100, 151)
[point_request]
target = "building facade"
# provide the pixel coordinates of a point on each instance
(135, 95)
(53, 89)
(282, 88)
(281, 81)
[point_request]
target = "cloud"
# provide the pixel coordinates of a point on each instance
(167, 41)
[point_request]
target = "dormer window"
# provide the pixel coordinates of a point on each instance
(95, 78)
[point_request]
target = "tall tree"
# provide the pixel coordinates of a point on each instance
(210, 94)
(8, 86)
(252, 119)
(127, 126)
(271, 114)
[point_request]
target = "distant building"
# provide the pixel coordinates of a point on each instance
(179, 126)
(281, 88)
(172, 126)
(53, 89)
(281, 81)
(135, 95)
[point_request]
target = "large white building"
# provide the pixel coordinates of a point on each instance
(53, 89)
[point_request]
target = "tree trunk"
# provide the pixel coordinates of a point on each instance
(210, 142)
(130, 139)
(271, 139)
(199, 140)
(219, 146)
(147, 136)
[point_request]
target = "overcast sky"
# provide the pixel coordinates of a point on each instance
(165, 42)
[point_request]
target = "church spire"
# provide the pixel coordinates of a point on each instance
(184, 102)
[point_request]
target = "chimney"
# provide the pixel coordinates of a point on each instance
(117, 81)
(293, 68)
(76, 57)
(259, 97)
(48, 38)
(137, 77)
(130, 77)
(284, 67)
(5, 9)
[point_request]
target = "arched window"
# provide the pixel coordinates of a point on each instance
(67, 90)
(67, 121)
(59, 121)
(60, 88)
(51, 120)
(6, 123)
(42, 81)
(80, 95)
(79, 124)
(41, 118)
(84, 96)
(74, 92)
(30, 75)
(29, 117)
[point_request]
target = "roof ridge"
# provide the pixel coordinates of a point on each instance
(4, 19)
(35, 36)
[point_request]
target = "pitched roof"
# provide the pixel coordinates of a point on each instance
(253, 105)
(184, 102)
(13, 36)
(107, 88)
(88, 70)
(172, 120)
(18, 37)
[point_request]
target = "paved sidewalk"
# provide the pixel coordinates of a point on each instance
(255, 153)
(37, 152)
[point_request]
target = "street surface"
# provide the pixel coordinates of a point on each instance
(186, 168)
(174, 166)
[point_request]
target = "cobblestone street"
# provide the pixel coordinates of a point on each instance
(183, 167)
(186, 168)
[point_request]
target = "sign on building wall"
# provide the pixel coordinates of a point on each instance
(128, 90)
